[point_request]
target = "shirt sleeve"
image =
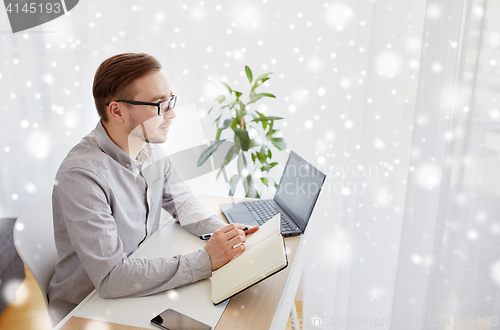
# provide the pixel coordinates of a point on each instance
(82, 198)
(185, 207)
(206, 226)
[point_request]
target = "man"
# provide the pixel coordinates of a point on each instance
(111, 187)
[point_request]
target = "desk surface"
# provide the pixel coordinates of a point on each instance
(253, 308)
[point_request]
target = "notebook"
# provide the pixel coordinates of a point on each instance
(265, 255)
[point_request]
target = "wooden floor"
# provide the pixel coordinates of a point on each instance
(298, 306)
(28, 312)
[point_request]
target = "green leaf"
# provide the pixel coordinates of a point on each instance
(268, 167)
(230, 153)
(278, 143)
(245, 185)
(265, 181)
(249, 188)
(255, 98)
(264, 123)
(217, 136)
(216, 121)
(242, 164)
(208, 152)
(253, 158)
(220, 109)
(271, 124)
(227, 87)
(260, 80)
(234, 125)
(227, 123)
(243, 138)
(238, 94)
(242, 108)
(253, 143)
(214, 84)
(249, 73)
(221, 98)
(265, 168)
(269, 134)
(261, 156)
(264, 118)
(233, 182)
(229, 156)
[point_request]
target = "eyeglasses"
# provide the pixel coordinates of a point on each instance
(162, 106)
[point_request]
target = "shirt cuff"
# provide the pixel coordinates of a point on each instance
(205, 226)
(217, 223)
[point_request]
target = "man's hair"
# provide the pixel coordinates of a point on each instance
(115, 76)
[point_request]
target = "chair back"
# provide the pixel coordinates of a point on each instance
(34, 241)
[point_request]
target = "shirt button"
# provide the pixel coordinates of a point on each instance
(127, 165)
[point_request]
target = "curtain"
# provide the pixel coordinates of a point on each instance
(419, 247)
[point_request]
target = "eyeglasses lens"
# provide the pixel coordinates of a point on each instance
(164, 107)
(166, 104)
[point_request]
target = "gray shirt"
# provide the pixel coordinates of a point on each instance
(105, 204)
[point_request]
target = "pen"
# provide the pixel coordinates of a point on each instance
(206, 237)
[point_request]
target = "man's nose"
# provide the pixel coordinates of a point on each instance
(170, 114)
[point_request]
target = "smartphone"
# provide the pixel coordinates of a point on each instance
(173, 320)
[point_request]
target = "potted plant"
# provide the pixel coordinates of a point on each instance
(239, 117)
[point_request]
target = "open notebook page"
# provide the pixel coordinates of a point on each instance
(256, 264)
(268, 229)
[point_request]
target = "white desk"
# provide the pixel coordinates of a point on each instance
(267, 303)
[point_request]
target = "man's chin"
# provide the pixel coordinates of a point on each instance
(157, 139)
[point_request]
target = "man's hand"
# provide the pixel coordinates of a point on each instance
(220, 246)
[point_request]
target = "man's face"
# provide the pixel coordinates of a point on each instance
(144, 122)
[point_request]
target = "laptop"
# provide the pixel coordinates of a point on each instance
(295, 198)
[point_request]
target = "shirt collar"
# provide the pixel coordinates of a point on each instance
(112, 150)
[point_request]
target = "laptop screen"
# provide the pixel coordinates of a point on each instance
(299, 189)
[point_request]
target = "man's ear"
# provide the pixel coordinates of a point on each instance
(115, 112)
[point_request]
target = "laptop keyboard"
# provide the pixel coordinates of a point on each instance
(264, 210)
